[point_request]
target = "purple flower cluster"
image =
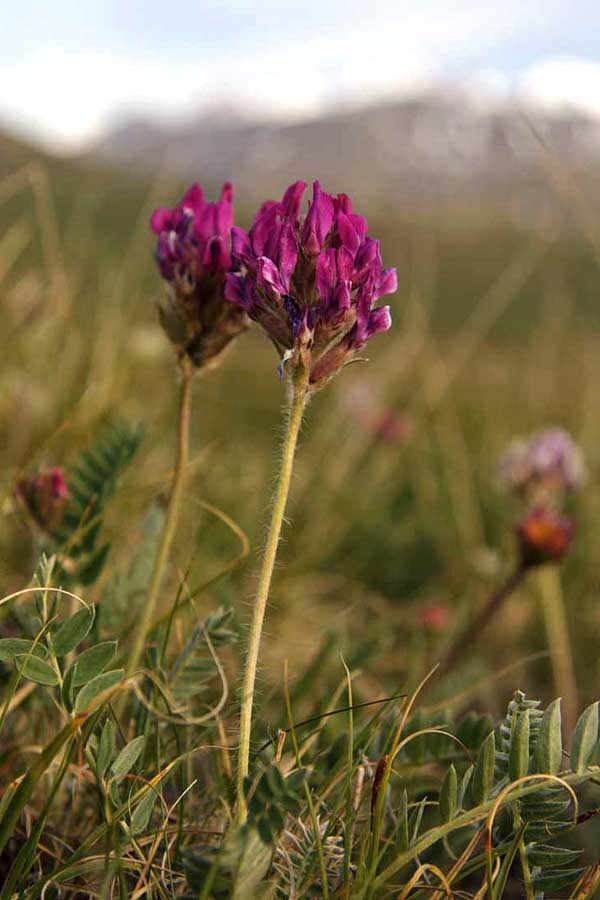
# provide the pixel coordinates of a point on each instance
(193, 254)
(44, 496)
(311, 282)
(194, 236)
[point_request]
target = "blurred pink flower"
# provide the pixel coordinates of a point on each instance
(549, 459)
(384, 423)
(436, 616)
(44, 496)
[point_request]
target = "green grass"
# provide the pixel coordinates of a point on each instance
(495, 335)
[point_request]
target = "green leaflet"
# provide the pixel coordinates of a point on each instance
(449, 795)
(73, 631)
(518, 760)
(585, 737)
(37, 670)
(548, 751)
(95, 687)
(483, 775)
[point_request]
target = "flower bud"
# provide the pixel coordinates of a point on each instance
(544, 536)
(44, 496)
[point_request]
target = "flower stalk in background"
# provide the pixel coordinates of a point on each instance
(44, 497)
(542, 472)
(312, 284)
(193, 254)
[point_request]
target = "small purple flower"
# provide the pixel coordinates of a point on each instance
(550, 461)
(311, 283)
(193, 254)
(44, 496)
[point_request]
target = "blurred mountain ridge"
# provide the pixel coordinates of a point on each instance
(432, 146)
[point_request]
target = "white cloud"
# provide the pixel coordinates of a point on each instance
(563, 82)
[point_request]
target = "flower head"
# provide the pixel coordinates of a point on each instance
(311, 283)
(44, 496)
(193, 254)
(549, 462)
(544, 536)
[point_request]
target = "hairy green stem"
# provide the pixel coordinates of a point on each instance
(294, 421)
(171, 518)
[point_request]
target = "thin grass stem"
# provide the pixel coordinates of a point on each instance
(171, 518)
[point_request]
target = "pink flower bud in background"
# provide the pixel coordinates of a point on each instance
(44, 496)
(544, 536)
(384, 423)
(436, 616)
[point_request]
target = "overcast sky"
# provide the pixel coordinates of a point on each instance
(69, 67)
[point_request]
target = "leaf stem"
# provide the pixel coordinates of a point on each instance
(171, 518)
(294, 421)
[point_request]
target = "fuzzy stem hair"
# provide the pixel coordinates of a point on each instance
(295, 415)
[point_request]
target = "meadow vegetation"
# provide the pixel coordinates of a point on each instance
(371, 775)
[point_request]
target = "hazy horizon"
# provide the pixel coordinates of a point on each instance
(97, 63)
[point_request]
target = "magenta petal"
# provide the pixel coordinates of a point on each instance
(345, 264)
(264, 208)
(265, 229)
(227, 192)
(343, 203)
(359, 223)
(223, 217)
(287, 253)
(368, 262)
(292, 198)
(326, 273)
(388, 283)
(160, 220)
(343, 296)
(317, 223)
(240, 244)
(347, 232)
(380, 319)
(268, 277)
(216, 256)
(193, 197)
(236, 290)
(204, 221)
